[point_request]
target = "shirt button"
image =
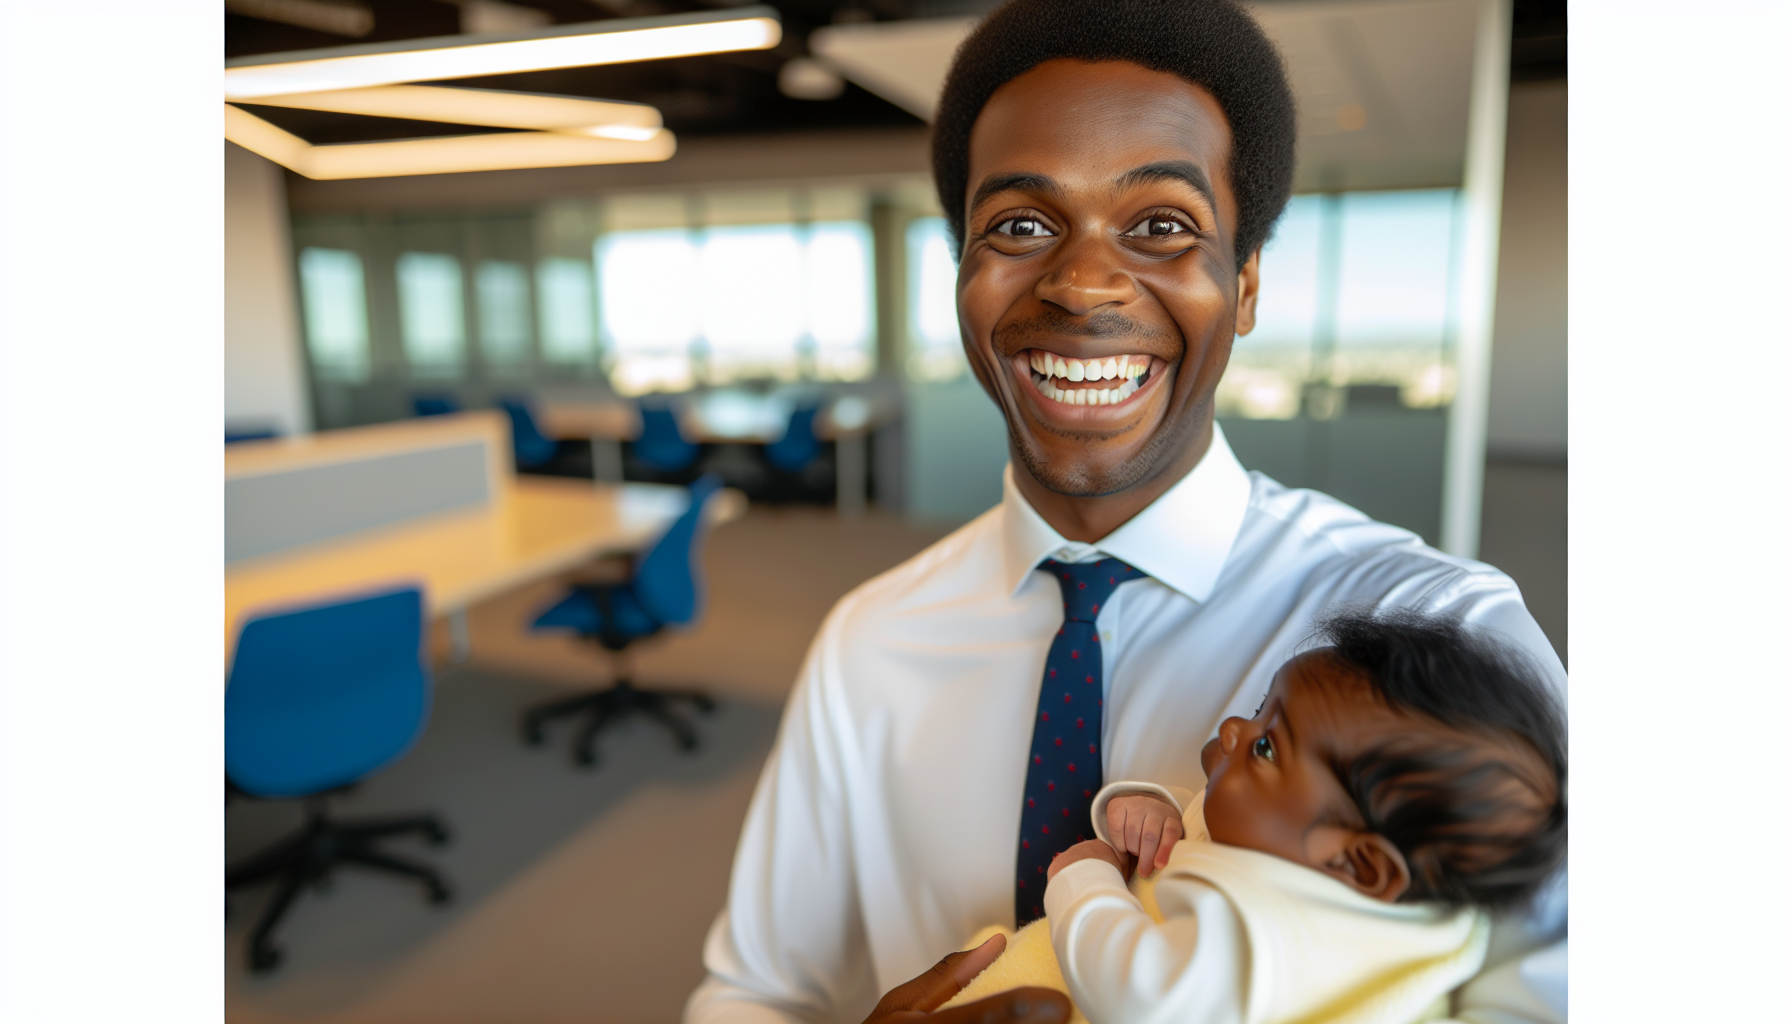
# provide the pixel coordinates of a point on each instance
(1108, 635)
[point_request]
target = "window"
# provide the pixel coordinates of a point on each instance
(432, 316)
(935, 351)
(502, 290)
(734, 302)
(1355, 289)
(335, 301)
(567, 331)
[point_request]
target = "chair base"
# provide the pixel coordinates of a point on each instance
(607, 707)
(309, 857)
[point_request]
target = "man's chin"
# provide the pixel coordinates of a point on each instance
(1088, 475)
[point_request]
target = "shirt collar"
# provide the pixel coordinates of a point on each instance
(1181, 539)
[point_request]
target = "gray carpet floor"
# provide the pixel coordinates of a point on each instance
(584, 895)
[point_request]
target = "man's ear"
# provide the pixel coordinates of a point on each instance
(1368, 863)
(1246, 318)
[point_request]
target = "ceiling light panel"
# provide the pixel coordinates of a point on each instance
(451, 155)
(494, 107)
(424, 60)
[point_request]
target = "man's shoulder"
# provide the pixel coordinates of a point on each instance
(966, 564)
(1331, 545)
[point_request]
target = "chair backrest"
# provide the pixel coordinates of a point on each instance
(434, 405)
(661, 445)
(532, 447)
(325, 696)
(668, 579)
(799, 446)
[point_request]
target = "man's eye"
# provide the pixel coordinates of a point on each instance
(1264, 748)
(1158, 226)
(1023, 227)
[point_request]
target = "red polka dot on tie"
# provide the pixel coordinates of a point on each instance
(1051, 786)
(1080, 586)
(1091, 748)
(1067, 812)
(1020, 883)
(1058, 742)
(1087, 793)
(1075, 655)
(1095, 609)
(1088, 679)
(1047, 829)
(1025, 845)
(1030, 802)
(1072, 767)
(1038, 760)
(1051, 672)
(1067, 698)
(1045, 716)
(1079, 723)
(1040, 870)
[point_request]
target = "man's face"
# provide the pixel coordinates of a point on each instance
(1097, 292)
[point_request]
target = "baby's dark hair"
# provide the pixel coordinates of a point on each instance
(1215, 44)
(1476, 829)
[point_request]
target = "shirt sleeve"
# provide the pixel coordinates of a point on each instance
(1122, 966)
(789, 944)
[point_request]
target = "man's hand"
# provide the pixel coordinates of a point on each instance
(1090, 849)
(915, 1000)
(1145, 826)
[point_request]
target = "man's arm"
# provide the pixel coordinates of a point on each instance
(789, 945)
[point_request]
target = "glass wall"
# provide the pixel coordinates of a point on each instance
(661, 292)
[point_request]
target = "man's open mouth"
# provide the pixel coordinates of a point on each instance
(1109, 380)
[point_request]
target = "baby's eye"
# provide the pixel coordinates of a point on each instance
(1264, 748)
(1023, 227)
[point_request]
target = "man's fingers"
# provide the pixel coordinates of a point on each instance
(943, 980)
(1015, 1006)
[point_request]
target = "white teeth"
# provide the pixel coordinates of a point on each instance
(1075, 366)
(1089, 396)
(1110, 369)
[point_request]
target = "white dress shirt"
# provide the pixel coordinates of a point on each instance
(883, 830)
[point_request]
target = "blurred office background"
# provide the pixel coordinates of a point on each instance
(791, 255)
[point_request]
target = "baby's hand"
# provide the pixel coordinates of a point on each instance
(1089, 849)
(1145, 826)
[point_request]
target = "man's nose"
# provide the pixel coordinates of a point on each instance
(1084, 276)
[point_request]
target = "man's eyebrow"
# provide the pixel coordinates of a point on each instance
(1020, 182)
(1169, 170)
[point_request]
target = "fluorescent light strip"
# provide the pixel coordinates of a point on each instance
(493, 107)
(451, 155)
(424, 60)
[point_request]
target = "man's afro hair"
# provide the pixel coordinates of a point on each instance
(1212, 43)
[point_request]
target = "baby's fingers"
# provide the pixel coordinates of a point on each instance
(1172, 835)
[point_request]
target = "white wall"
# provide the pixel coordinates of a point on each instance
(264, 369)
(1528, 399)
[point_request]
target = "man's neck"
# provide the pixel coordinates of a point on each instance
(1089, 519)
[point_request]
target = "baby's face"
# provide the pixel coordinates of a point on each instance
(1270, 784)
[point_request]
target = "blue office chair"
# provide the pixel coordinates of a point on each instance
(533, 448)
(317, 700)
(664, 589)
(662, 448)
(434, 405)
(799, 446)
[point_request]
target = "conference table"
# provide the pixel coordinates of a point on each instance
(526, 529)
(727, 416)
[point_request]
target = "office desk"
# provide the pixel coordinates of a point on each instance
(537, 527)
(731, 417)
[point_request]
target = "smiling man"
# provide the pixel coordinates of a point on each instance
(1111, 169)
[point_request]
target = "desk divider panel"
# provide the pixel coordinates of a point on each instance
(346, 481)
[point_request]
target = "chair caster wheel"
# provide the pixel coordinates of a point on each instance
(264, 960)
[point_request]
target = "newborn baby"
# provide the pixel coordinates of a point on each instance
(1395, 786)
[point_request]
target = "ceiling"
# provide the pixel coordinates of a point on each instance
(738, 93)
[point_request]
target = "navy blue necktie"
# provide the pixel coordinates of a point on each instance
(1064, 765)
